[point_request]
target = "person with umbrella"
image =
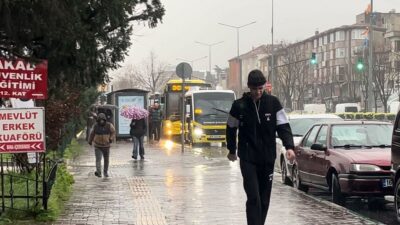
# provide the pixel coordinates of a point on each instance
(137, 128)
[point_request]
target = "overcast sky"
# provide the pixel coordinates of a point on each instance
(187, 21)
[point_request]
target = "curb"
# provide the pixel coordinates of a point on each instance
(333, 205)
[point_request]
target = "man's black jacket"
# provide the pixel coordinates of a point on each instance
(257, 128)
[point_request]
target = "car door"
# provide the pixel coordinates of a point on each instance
(396, 143)
(318, 158)
(303, 156)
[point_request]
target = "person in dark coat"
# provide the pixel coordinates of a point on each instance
(258, 116)
(155, 121)
(102, 134)
(137, 131)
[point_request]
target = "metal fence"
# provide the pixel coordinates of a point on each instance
(23, 188)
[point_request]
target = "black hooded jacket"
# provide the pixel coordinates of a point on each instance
(257, 128)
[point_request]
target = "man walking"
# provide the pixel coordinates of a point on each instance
(258, 116)
(102, 135)
(155, 122)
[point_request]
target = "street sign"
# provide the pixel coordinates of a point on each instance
(22, 79)
(22, 130)
(184, 70)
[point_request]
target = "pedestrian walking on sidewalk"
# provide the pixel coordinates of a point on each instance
(138, 130)
(257, 116)
(155, 122)
(102, 134)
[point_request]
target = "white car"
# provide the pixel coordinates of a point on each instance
(299, 125)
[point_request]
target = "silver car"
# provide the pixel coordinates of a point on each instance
(300, 123)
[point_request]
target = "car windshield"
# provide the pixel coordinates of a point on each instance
(300, 126)
(359, 135)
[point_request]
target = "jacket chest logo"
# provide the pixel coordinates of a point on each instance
(268, 116)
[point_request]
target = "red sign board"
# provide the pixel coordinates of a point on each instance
(22, 79)
(22, 130)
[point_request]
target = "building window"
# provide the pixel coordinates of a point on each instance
(397, 46)
(357, 34)
(332, 54)
(332, 37)
(340, 53)
(357, 50)
(320, 41)
(340, 35)
(397, 66)
(325, 39)
(315, 43)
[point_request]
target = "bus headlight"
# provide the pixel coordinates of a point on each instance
(197, 131)
(168, 124)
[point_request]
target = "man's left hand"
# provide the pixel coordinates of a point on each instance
(290, 155)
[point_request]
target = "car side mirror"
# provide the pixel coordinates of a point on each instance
(318, 147)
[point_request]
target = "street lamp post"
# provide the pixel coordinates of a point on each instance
(370, 64)
(209, 52)
(237, 38)
(191, 62)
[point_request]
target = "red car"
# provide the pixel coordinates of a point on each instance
(348, 158)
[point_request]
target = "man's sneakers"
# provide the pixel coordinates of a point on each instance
(105, 174)
(141, 157)
(134, 157)
(97, 174)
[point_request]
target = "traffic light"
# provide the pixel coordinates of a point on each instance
(360, 64)
(313, 60)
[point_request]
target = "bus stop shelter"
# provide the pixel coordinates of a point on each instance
(126, 98)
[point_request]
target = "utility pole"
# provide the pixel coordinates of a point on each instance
(272, 51)
(370, 91)
(238, 59)
(209, 52)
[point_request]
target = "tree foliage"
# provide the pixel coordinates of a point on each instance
(81, 39)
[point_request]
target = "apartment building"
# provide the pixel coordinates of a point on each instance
(334, 78)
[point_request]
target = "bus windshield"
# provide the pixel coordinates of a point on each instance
(172, 106)
(212, 107)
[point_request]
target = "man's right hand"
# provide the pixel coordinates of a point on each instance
(232, 157)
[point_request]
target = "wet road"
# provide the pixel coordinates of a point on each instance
(199, 186)
(382, 210)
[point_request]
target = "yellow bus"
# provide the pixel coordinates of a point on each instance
(207, 112)
(171, 101)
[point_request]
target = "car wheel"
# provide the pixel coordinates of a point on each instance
(297, 181)
(285, 178)
(337, 196)
(397, 199)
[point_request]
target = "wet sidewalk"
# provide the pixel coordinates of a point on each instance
(199, 186)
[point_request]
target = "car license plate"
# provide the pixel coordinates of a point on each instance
(387, 183)
(216, 136)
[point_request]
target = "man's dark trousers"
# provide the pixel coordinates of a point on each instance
(155, 129)
(257, 182)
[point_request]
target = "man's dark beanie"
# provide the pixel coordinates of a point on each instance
(256, 78)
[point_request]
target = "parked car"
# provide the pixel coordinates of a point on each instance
(396, 163)
(300, 125)
(348, 158)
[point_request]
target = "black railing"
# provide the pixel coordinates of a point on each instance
(21, 190)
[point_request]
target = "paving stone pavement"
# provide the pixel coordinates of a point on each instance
(199, 186)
